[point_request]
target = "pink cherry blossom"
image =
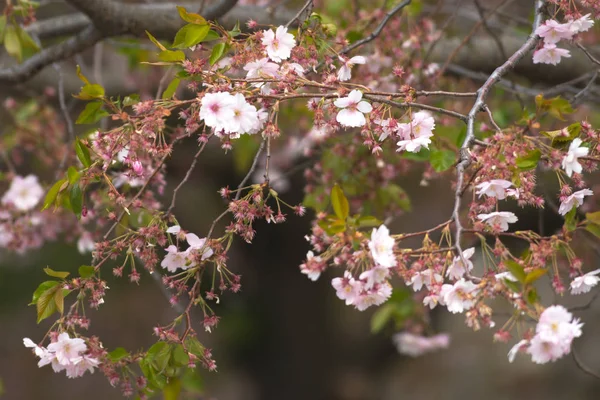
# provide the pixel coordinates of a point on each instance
(279, 44)
(553, 31)
(417, 345)
(245, 116)
(581, 24)
(313, 266)
(377, 274)
(427, 277)
(175, 259)
(417, 133)
(347, 288)
(24, 193)
(216, 109)
(262, 68)
(353, 109)
(520, 346)
(457, 269)
(459, 297)
(550, 54)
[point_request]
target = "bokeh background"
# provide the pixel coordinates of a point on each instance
(284, 336)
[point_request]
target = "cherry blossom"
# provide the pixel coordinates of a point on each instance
(198, 244)
(457, 269)
(279, 44)
(375, 296)
(313, 266)
(569, 162)
(353, 109)
(245, 116)
(216, 109)
(494, 188)
(427, 277)
(262, 68)
(581, 24)
(23, 193)
(460, 296)
(520, 346)
(345, 71)
(574, 200)
(66, 354)
(382, 247)
(499, 219)
(347, 288)
(553, 32)
(417, 345)
(377, 274)
(585, 283)
(175, 259)
(550, 54)
(417, 133)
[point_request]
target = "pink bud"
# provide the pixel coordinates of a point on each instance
(138, 168)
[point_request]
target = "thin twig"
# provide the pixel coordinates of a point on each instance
(581, 366)
(489, 112)
(588, 54)
(162, 82)
(306, 7)
(187, 175)
(251, 171)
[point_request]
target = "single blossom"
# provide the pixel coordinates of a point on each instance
(175, 259)
(499, 219)
(23, 193)
(262, 68)
(313, 266)
(382, 247)
(585, 283)
(459, 297)
(574, 200)
(344, 72)
(494, 188)
(85, 243)
(552, 31)
(427, 277)
(279, 44)
(216, 109)
(353, 109)
(67, 350)
(245, 116)
(569, 162)
(550, 54)
(416, 345)
(375, 275)
(198, 244)
(347, 288)
(458, 268)
(581, 24)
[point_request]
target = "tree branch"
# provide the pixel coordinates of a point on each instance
(19, 73)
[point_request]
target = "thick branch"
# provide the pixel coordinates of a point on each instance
(66, 49)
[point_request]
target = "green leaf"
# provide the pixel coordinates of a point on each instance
(381, 317)
(564, 135)
(594, 229)
(190, 35)
(53, 193)
(12, 44)
(594, 217)
(211, 35)
(236, 31)
(217, 53)
(83, 153)
(180, 357)
(42, 288)
(91, 92)
(48, 302)
(354, 36)
(59, 300)
(514, 286)
(192, 18)
(118, 354)
(92, 113)
(529, 161)
(172, 389)
(86, 271)
(131, 100)
(368, 222)
(171, 89)
(532, 296)
(555, 106)
(73, 175)
(26, 40)
(156, 42)
(516, 269)
(571, 220)
(340, 204)
(534, 275)
(332, 225)
(171, 56)
(442, 160)
(2, 27)
(56, 274)
(194, 346)
(76, 198)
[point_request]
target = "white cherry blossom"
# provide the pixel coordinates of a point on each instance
(279, 44)
(550, 54)
(499, 219)
(552, 31)
(216, 109)
(382, 247)
(585, 283)
(460, 296)
(353, 109)
(345, 71)
(416, 345)
(457, 269)
(569, 162)
(581, 24)
(494, 188)
(347, 288)
(574, 200)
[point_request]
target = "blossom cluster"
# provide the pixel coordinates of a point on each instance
(553, 32)
(65, 354)
(554, 333)
(417, 345)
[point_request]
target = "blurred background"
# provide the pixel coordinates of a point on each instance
(284, 337)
